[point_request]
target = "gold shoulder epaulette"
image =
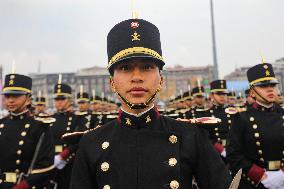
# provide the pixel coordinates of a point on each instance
(44, 115)
(242, 109)
(96, 113)
(111, 116)
(183, 111)
(201, 110)
(231, 110)
(45, 119)
(80, 113)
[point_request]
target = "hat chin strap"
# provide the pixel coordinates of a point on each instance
(252, 87)
(140, 105)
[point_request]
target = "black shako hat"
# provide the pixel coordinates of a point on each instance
(40, 100)
(96, 99)
(17, 84)
(261, 74)
(187, 96)
(83, 97)
(62, 91)
(231, 94)
(198, 91)
(134, 38)
(218, 86)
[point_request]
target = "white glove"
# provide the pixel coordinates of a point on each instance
(59, 163)
(224, 153)
(274, 180)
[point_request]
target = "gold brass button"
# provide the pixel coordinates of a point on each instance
(1, 126)
(257, 143)
(254, 126)
(17, 170)
(251, 118)
(172, 162)
(68, 129)
(21, 142)
(105, 145)
(104, 166)
(217, 134)
(106, 187)
(261, 159)
(69, 123)
(27, 126)
(19, 152)
(18, 161)
(174, 184)
(229, 121)
(256, 135)
(173, 139)
(260, 151)
(70, 118)
(23, 133)
(216, 129)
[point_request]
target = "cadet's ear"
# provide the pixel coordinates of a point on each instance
(211, 95)
(111, 83)
(161, 81)
(252, 93)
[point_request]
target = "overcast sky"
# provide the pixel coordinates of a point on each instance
(66, 35)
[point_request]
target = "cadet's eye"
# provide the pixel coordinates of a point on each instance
(148, 66)
(124, 67)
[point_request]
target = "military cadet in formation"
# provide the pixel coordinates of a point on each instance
(40, 106)
(66, 121)
(143, 149)
(219, 110)
(249, 99)
(107, 111)
(171, 109)
(231, 99)
(86, 119)
(26, 158)
(198, 110)
(256, 139)
(98, 111)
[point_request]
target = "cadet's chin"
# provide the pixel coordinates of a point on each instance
(137, 101)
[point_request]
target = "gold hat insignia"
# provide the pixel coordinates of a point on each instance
(135, 37)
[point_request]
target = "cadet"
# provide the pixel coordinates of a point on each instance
(26, 157)
(40, 106)
(66, 121)
(198, 110)
(232, 99)
(249, 99)
(219, 110)
(87, 121)
(143, 149)
(255, 142)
